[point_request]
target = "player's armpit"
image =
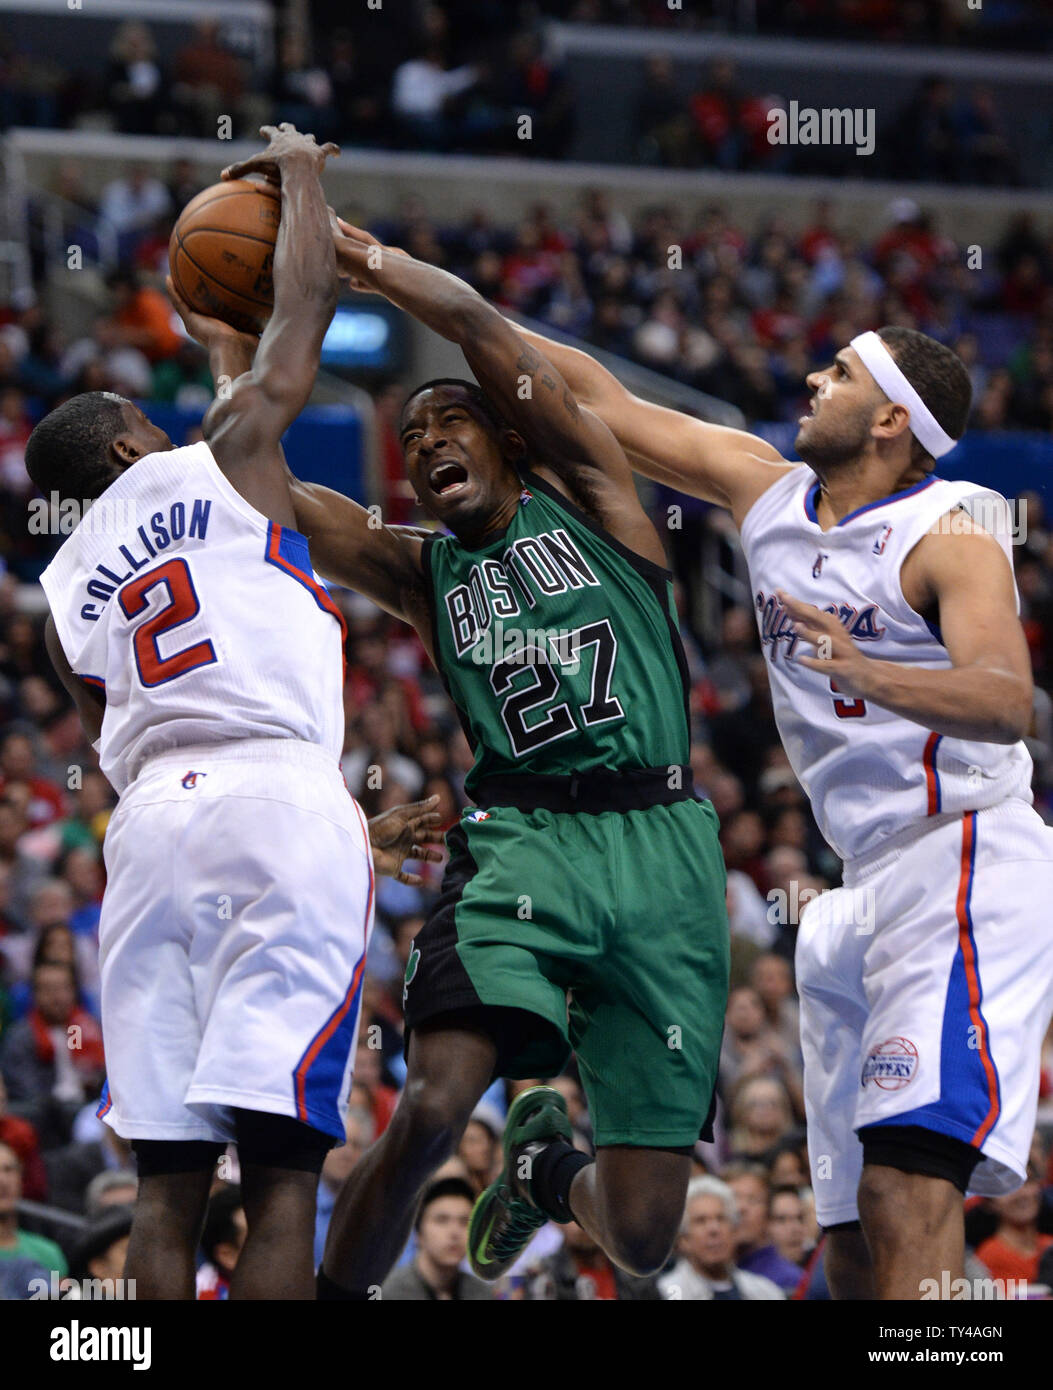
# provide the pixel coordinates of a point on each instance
(350, 547)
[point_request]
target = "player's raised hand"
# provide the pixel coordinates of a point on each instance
(207, 331)
(405, 832)
(837, 656)
(285, 143)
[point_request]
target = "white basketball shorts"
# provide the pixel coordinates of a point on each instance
(232, 942)
(926, 987)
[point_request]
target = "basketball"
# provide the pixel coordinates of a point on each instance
(221, 252)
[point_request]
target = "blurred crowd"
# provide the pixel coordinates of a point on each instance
(455, 77)
(683, 290)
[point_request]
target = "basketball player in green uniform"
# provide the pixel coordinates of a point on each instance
(583, 905)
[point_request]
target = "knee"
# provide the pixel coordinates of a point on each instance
(430, 1117)
(642, 1246)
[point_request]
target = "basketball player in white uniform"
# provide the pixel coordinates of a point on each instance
(206, 661)
(902, 688)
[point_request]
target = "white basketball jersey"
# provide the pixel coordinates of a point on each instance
(869, 773)
(200, 619)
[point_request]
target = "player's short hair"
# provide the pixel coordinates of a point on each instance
(937, 374)
(445, 1187)
(477, 395)
(69, 451)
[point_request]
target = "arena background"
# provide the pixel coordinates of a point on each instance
(602, 169)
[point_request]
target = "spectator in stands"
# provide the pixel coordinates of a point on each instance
(133, 202)
(21, 1137)
(480, 1147)
(579, 1271)
(221, 1243)
(94, 1148)
(19, 763)
(761, 1114)
(360, 90)
(755, 1250)
(23, 1255)
(302, 91)
(135, 81)
(706, 1266)
(112, 1188)
(423, 93)
(209, 80)
(663, 122)
(788, 1225)
(100, 1251)
(52, 1059)
(1017, 1246)
(441, 1228)
(143, 317)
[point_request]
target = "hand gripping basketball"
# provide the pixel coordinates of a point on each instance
(286, 143)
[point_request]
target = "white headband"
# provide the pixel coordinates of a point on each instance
(884, 368)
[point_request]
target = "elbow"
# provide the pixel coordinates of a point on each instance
(1012, 721)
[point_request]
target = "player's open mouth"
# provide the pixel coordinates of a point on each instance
(447, 477)
(813, 407)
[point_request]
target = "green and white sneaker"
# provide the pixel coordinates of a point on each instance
(505, 1216)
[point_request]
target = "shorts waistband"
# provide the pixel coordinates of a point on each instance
(590, 793)
(890, 849)
(242, 750)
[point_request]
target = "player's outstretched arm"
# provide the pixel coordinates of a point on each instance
(987, 692)
(524, 386)
(244, 427)
(350, 547)
(727, 466)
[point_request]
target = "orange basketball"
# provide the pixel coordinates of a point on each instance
(221, 252)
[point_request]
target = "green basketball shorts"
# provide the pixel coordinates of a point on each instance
(606, 934)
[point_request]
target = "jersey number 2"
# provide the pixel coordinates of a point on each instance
(182, 606)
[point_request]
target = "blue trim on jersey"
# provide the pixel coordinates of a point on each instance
(325, 1071)
(965, 1099)
(289, 551)
(939, 784)
(813, 492)
(91, 680)
(104, 1101)
(934, 629)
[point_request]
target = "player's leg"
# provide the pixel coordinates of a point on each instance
(645, 1019)
(829, 964)
(846, 1259)
(914, 1220)
(631, 1201)
(448, 1069)
(280, 1160)
(174, 1182)
(960, 990)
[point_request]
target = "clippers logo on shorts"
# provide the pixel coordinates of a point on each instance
(891, 1065)
(477, 815)
(190, 780)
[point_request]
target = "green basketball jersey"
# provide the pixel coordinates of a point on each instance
(558, 645)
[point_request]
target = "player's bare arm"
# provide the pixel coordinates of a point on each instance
(244, 426)
(90, 702)
(726, 466)
(348, 547)
(960, 575)
(574, 444)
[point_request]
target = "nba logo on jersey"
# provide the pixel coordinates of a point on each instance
(817, 568)
(882, 541)
(477, 814)
(190, 780)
